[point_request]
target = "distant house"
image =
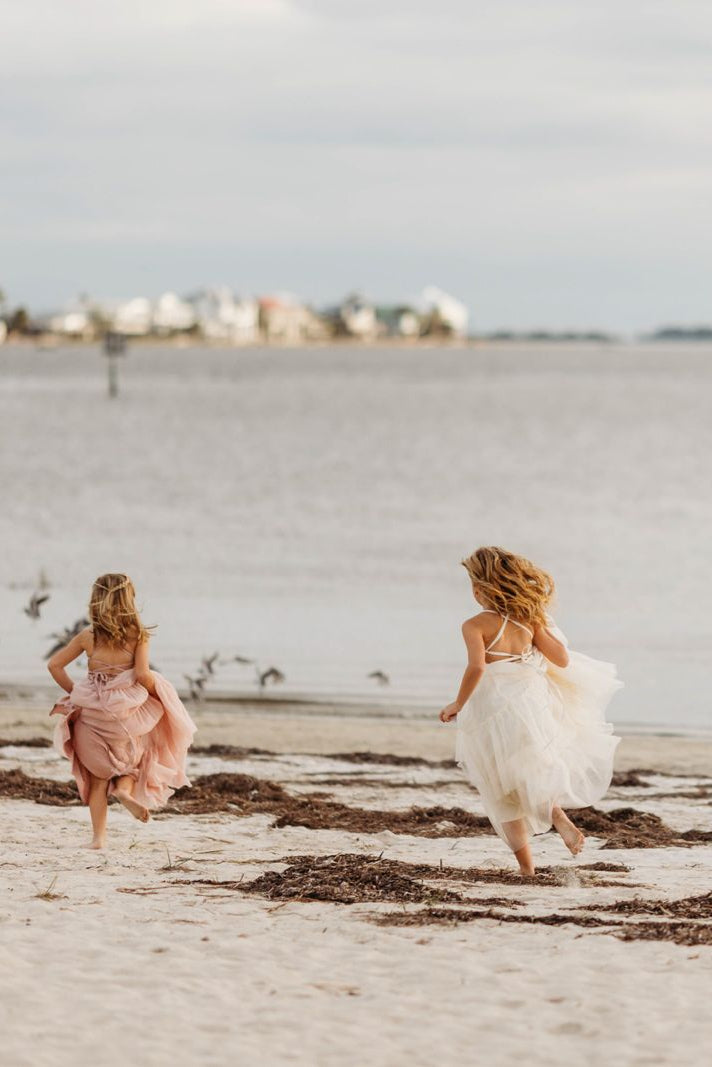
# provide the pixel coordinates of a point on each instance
(133, 317)
(399, 321)
(76, 320)
(172, 315)
(357, 318)
(283, 320)
(222, 317)
(443, 314)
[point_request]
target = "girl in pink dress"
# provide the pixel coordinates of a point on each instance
(123, 727)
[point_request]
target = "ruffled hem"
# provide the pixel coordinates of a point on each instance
(124, 731)
(534, 737)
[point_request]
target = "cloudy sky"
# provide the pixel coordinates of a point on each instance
(549, 162)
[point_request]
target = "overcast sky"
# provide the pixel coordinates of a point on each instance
(548, 161)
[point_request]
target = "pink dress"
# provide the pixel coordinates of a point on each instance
(111, 726)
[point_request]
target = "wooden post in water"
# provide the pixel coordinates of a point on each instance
(114, 346)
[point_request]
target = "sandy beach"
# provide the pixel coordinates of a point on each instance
(328, 893)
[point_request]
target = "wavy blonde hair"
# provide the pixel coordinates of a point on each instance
(113, 613)
(510, 584)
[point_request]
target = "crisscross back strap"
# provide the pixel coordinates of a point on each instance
(501, 630)
(521, 627)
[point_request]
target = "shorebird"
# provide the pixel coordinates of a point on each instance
(208, 663)
(379, 676)
(32, 610)
(195, 685)
(270, 675)
(65, 636)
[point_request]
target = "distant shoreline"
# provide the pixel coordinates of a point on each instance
(49, 342)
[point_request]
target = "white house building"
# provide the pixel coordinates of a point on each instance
(172, 315)
(450, 312)
(358, 317)
(133, 317)
(221, 317)
(75, 320)
(285, 320)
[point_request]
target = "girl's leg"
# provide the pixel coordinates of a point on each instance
(525, 860)
(124, 793)
(97, 809)
(518, 840)
(570, 833)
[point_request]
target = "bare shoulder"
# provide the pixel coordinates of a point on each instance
(476, 625)
(86, 638)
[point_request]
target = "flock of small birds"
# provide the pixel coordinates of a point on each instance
(208, 664)
(208, 669)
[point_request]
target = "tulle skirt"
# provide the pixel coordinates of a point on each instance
(111, 727)
(533, 736)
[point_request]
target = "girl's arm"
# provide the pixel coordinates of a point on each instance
(63, 657)
(144, 675)
(476, 662)
(554, 650)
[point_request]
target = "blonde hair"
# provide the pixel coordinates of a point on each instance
(113, 613)
(510, 584)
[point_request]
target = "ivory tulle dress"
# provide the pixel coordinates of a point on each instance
(111, 727)
(533, 736)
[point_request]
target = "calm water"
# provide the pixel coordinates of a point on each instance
(310, 508)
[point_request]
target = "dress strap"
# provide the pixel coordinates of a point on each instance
(501, 630)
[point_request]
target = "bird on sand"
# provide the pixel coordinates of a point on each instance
(208, 663)
(272, 674)
(379, 676)
(32, 609)
(196, 685)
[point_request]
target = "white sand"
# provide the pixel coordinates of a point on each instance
(122, 965)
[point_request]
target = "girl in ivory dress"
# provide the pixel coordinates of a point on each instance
(123, 726)
(531, 734)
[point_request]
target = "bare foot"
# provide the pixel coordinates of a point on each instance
(570, 834)
(97, 842)
(527, 872)
(137, 810)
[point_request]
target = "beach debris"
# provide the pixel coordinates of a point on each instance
(32, 608)
(630, 828)
(629, 780)
(232, 752)
(697, 907)
(17, 785)
(26, 742)
(245, 795)
(379, 676)
(49, 893)
(389, 759)
(242, 660)
(680, 933)
(450, 916)
(272, 674)
(63, 637)
(344, 879)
